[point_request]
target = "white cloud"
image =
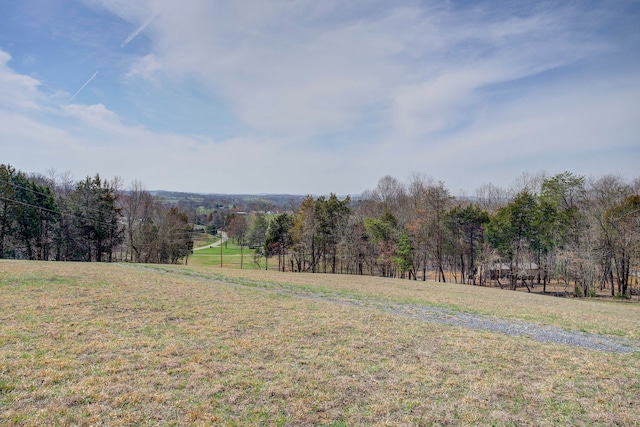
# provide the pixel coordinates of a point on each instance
(300, 69)
(461, 93)
(96, 116)
(279, 76)
(146, 67)
(587, 132)
(17, 91)
(87, 139)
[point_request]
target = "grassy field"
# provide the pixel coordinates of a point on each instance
(231, 257)
(100, 344)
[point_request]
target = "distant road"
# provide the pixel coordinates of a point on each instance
(223, 238)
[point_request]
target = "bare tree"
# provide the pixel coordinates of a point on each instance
(237, 229)
(606, 197)
(429, 202)
(137, 208)
(491, 198)
(529, 182)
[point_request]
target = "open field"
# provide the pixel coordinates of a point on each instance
(231, 257)
(97, 344)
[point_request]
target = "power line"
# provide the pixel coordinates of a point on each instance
(68, 211)
(87, 208)
(30, 205)
(10, 182)
(172, 233)
(65, 212)
(68, 214)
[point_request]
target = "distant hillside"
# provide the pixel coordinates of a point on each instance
(240, 201)
(250, 202)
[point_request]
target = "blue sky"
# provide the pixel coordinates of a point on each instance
(290, 96)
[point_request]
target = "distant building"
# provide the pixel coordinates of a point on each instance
(503, 270)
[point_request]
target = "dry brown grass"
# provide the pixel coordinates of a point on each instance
(98, 344)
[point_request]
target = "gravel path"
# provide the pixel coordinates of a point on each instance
(514, 328)
(510, 327)
(444, 316)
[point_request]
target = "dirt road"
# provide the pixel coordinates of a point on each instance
(223, 238)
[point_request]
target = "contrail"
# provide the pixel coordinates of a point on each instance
(83, 86)
(138, 31)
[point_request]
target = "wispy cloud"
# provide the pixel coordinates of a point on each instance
(304, 70)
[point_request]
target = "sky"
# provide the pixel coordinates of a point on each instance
(314, 97)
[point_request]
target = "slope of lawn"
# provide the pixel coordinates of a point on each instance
(100, 344)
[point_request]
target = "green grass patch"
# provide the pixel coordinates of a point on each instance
(230, 256)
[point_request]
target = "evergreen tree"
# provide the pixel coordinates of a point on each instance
(278, 238)
(96, 218)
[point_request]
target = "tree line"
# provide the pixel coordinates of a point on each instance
(583, 233)
(54, 218)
